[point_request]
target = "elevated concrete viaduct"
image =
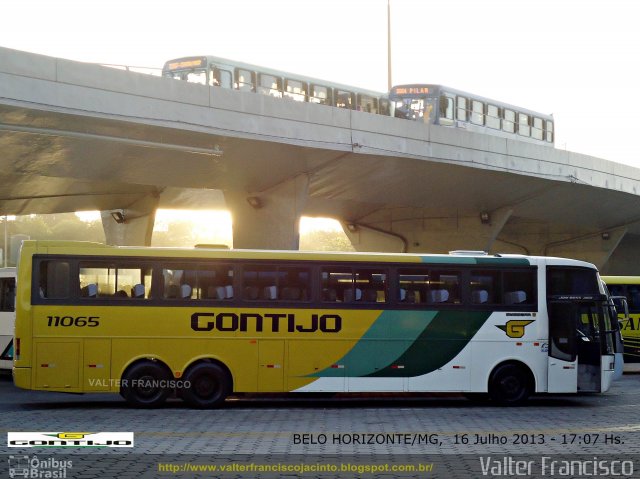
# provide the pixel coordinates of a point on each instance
(77, 136)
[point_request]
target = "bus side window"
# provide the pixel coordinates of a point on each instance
(477, 112)
(462, 112)
(320, 94)
(345, 99)
(446, 110)
(367, 103)
(221, 78)
(245, 80)
(295, 89)
(54, 279)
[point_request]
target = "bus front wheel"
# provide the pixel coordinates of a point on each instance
(206, 386)
(509, 385)
(145, 384)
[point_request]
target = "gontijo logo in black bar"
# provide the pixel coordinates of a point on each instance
(274, 322)
(70, 439)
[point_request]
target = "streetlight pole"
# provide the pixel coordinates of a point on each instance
(389, 45)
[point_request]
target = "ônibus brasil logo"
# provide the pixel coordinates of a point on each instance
(70, 439)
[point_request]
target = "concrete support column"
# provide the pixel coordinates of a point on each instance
(131, 226)
(366, 238)
(596, 248)
(269, 219)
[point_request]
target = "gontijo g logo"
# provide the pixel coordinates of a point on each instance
(515, 327)
(70, 439)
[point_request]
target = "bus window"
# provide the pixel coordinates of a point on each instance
(446, 110)
(524, 127)
(371, 286)
(384, 107)
(461, 111)
(103, 280)
(444, 287)
(549, 131)
(197, 76)
(295, 89)
(477, 112)
(367, 103)
(179, 282)
(493, 117)
(222, 78)
(269, 85)
(320, 94)
(412, 285)
(244, 80)
(345, 99)
(509, 121)
(518, 287)
(572, 281)
(537, 129)
(337, 284)
(483, 286)
(54, 279)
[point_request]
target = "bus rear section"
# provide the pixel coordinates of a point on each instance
(7, 316)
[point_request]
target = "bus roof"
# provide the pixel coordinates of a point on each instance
(100, 249)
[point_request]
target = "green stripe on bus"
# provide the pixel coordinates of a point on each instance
(440, 342)
(375, 349)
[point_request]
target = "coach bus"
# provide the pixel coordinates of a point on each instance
(628, 287)
(447, 106)
(205, 323)
(7, 316)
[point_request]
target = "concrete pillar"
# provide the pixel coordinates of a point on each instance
(133, 225)
(366, 238)
(269, 219)
(595, 248)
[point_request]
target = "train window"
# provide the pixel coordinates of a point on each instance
(222, 78)
(244, 80)
(269, 85)
(295, 89)
(345, 99)
(446, 110)
(509, 121)
(549, 131)
(320, 94)
(493, 117)
(367, 103)
(477, 112)
(524, 127)
(462, 109)
(537, 129)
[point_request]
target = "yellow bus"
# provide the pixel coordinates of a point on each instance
(629, 287)
(208, 323)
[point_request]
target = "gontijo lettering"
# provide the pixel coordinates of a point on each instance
(275, 322)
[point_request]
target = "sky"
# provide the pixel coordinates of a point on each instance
(576, 59)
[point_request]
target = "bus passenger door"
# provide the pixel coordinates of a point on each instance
(563, 357)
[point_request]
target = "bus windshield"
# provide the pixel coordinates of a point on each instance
(196, 75)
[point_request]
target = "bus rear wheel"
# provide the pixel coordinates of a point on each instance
(509, 385)
(145, 384)
(207, 385)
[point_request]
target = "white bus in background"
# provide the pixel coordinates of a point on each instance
(7, 316)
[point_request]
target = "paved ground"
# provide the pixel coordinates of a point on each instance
(448, 431)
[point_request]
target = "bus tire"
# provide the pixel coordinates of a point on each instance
(509, 385)
(137, 388)
(208, 386)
